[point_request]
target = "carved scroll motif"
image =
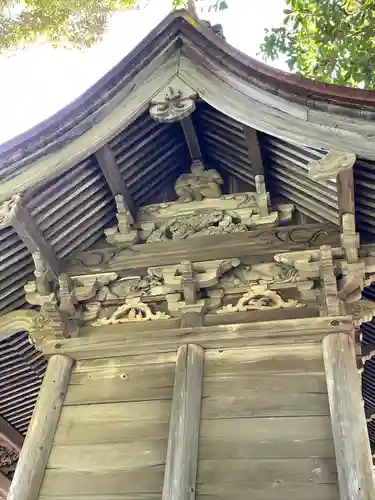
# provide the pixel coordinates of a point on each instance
(132, 311)
(172, 104)
(260, 274)
(259, 298)
(331, 165)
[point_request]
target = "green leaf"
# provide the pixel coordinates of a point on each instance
(329, 40)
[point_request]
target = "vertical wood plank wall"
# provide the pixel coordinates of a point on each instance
(113, 431)
(265, 428)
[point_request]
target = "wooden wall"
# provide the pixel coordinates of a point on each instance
(265, 430)
(111, 441)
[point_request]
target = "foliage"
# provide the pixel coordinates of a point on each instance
(204, 5)
(327, 40)
(69, 23)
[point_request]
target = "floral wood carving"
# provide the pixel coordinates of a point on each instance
(132, 311)
(259, 298)
(208, 223)
(173, 105)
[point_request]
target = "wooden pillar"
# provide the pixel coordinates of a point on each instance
(182, 455)
(34, 455)
(352, 446)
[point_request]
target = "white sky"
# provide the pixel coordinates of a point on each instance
(40, 80)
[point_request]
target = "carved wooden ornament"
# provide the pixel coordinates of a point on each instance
(174, 103)
(259, 298)
(331, 165)
(8, 210)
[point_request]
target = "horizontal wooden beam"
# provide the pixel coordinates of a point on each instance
(14, 213)
(166, 336)
(182, 454)
(108, 165)
(250, 247)
(34, 455)
(352, 446)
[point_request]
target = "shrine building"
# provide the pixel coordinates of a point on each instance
(187, 254)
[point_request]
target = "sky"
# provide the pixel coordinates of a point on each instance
(38, 81)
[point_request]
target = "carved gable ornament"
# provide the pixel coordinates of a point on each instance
(173, 103)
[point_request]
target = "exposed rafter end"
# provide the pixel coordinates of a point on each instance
(331, 165)
(14, 213)
(108, 165)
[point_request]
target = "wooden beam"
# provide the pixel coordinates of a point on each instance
(4, 486)
(352, 446)
(14, 213)
(191, 138)
(251, 247)
(34, 455)
(8, 434)
(253, 150)
(182, 455)
(107, 162)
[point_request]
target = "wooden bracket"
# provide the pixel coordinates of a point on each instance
(107, 162)
(14, 213)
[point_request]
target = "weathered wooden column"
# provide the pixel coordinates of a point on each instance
(182, 455)
(34, 455)
(352, 447)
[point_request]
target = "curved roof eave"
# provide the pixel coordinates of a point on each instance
(292, 108)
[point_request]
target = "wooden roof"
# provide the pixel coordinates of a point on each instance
(68, 196)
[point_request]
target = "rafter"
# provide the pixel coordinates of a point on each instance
(191, 138)
(14, 213)
(107, 162)
(253, 150)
